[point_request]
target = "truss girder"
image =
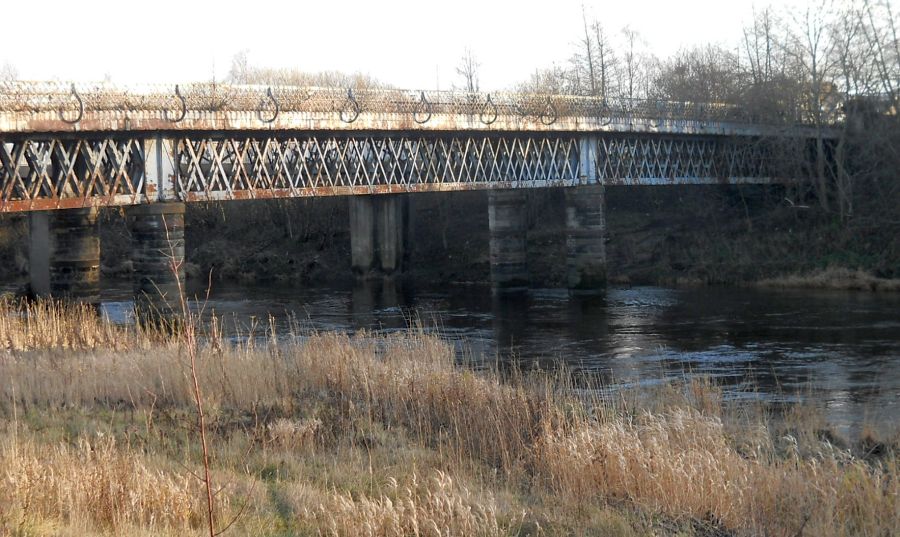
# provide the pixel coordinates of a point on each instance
(234, 168)
(53, 173)
(67, 172)
(673, 160)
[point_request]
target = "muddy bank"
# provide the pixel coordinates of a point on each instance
(659, 235)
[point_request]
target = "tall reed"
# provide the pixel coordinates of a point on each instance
(536, 433)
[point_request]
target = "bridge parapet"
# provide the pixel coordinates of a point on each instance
(44, 107)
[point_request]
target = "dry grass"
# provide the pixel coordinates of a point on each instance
(837, 278)
(681, 463)
(328, 435)
(91, 484)
(50, 325)
(436, 506)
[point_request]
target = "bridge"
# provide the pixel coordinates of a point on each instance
(68, 149)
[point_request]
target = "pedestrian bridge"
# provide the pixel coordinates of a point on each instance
(68, 149)
(74, 146)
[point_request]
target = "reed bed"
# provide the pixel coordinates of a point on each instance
(50, 324)
(339, 435)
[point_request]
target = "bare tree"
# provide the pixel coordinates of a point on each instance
(606, 60)
(630, 63)
(240, 71)
(553, 80)
(243, 72)
(468, 69)
(588, 53)
(880, 30)
(8, 72)
(701, 74)
(759, 45)
(810, 44)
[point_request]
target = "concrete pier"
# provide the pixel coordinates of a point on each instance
(508, 225)
(391, 234)
(362, 235)
(586, 239)
(39, 253)
(378, 234)
(157, 232)
(64, 255)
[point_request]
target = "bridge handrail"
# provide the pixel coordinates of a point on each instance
(65, 97)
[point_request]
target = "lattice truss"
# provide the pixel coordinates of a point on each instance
(642, 160)
(295, 166)
(37, 174)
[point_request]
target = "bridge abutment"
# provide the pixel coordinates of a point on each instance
(586, 268)
(378, 234)
(64, 255)
(157, 254)
(507, 218)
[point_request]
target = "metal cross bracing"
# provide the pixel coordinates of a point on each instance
(55, 173)
(58, 172)
(645, 160)
(253, 167)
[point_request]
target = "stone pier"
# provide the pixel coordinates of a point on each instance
(586, 227)
(378, 234)
(64, 255)
(157, 232)
(508, 225)
(586, 239)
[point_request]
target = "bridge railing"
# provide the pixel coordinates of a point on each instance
(71, 100)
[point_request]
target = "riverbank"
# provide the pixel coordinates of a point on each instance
(833, 278)
(676, 235)
(332, 435)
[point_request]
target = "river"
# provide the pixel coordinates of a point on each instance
(837, 350)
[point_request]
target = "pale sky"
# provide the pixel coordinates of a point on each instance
(403, 42)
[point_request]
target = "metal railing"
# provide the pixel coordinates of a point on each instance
(71, 101)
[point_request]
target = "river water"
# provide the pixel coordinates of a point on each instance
(837, 350)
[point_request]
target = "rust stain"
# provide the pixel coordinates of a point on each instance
(68, 203)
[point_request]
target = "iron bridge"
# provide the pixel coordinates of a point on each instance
(70, 146)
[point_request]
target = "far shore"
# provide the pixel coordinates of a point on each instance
(836, 278)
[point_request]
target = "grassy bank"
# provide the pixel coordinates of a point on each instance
(332, 435)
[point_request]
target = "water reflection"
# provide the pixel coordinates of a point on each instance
(839, 349)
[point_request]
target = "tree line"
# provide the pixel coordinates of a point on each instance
(829, 60)
(803, 61)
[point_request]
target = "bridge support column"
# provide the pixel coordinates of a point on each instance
(64, 255)
(378, 233)
(157, 253)
(507, 218)
(393, 215)
(362, 235)
(585, 239)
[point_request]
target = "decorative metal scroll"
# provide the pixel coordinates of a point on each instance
(37, 97)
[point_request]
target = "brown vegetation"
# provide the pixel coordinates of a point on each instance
(834, 278)
(333, 435)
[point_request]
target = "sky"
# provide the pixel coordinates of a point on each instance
(411, 44)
